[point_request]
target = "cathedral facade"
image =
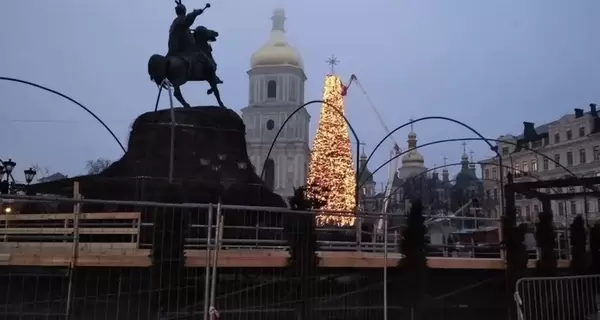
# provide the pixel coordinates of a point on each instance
(276, 90)
(414, 180)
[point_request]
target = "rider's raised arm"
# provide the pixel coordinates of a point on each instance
(191, 17)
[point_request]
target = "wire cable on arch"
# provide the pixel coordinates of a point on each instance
(70, 99)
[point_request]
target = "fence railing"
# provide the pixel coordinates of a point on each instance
(142, 242)
(558, 298)
(244, 227)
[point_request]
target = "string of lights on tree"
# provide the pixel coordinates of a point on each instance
(331, 177)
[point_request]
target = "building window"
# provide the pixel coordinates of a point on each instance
(527, 211)
(486, 174)
(293, 89)
(505, 151)
(582, 131)
(517, 170)
(556, 138)
(525, 166)
(569, 158)
(596, 153)
(536, 208)
(569, 135)
(582, 158)
(519, 212)
(586, 207)
(534, 167)
(545, 164)
(270, 124)
(573, 207)
(557, 160)
(271, 89)
(488, 194)
(496, 194)
(561, 208)
(494, 175)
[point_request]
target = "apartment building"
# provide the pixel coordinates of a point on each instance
(573, 141)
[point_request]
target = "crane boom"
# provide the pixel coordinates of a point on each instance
(394, 154)
(353, 78)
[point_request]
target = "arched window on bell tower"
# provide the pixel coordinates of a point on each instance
(270, 173)
(271, 89)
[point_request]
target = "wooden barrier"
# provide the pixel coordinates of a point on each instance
(50, 239)
(351, 259)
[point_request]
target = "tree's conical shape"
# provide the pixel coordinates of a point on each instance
(331, 177)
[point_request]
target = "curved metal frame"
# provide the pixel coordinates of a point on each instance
(262, 171)
(457, 164)
(481, 137)
(70, 99)
(493, 148)
(478, 139)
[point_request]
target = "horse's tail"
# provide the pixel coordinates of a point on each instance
(157, 68)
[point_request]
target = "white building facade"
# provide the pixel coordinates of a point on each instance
(276, 90)
(573, 141)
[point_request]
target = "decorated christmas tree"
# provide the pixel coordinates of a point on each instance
(331, 177)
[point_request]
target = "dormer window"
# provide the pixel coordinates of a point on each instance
(505, 151)
(569, 134)
(556, 138)
(271, 89)
(582, 131)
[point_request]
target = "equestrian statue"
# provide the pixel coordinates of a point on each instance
(189, 57)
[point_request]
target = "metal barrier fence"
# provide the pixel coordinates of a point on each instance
(98, 259)
(558, 298)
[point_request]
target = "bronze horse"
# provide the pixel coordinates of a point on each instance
(195, 66)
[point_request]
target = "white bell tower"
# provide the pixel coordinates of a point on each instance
(276, 89)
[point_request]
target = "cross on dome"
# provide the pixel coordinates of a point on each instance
(278, 19)
(276, 51)
(362, 144)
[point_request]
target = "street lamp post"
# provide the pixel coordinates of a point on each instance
(5, 173)
(29, 175)
(6, 170)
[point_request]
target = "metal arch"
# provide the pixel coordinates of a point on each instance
(70, 99)
(492, 147)
(486, 139)
(290, 117)
(457, 164)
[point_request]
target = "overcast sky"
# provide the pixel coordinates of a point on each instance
(492, 64)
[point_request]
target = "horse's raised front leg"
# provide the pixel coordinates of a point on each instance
(215, 90)
(179, 97)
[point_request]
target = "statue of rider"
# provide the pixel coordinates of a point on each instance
(203, 37)
(181, 40)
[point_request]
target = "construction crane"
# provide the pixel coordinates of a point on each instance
(394, 154)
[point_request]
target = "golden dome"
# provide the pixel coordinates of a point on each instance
(276, 51)
(412, 158)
